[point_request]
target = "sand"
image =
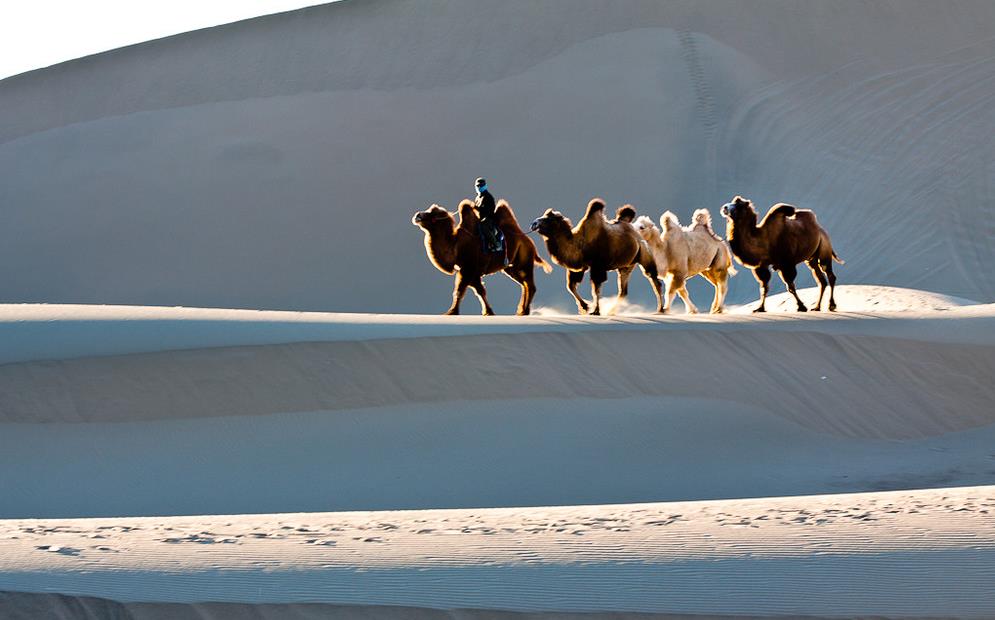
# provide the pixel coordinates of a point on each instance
(221, 169)
(165, 454)
(908, 554)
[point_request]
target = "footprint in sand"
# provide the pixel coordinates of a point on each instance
(59, 550)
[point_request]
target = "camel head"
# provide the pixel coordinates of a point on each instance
(432, 217)
(551, 223)
(646, 228)
(740, 210)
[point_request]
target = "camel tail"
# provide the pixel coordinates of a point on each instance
(838, 259)
(542, 263)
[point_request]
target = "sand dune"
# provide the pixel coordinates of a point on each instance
(418, 412)
(901, 554)
(243, 171)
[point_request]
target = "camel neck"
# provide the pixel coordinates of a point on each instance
(441, 244)
(743, 240)
(565, 251)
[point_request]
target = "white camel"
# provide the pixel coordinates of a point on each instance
(683, 252)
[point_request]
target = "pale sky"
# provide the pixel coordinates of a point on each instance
(39, 33)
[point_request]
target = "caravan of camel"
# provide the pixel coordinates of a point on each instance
(785, 237)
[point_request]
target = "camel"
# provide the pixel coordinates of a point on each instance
(682, 253)
(456, 249)
(601, 246)
(785, 237)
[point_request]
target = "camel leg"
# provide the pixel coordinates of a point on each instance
(762, 274)
(573, 279)
(714, 276)
(711, 277)
(598, 277)
(668, 297)
(676, 286)
(820, 277)
(526, 280)
(478, 288)
(459, 289)
(654, 280)
(788, 275)
(624, 273)
(689, 307)
(827, 266)
(721, 290)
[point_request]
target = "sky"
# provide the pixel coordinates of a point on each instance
(39, 33)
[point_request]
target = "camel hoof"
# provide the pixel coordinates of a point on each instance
(451, 313)
(761, 309)
(693, 311)
(596, 312)
(802, 309)
(832, 307)
(487, 313)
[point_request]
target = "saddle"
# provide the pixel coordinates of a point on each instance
(491, 238)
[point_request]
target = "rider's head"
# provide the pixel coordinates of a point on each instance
(481, 185)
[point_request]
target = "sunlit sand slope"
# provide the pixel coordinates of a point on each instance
(902, 554)
(275, 163)
(304, 412)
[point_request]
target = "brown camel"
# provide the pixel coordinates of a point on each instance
(785, 237)
(601, 246)
(458, 249)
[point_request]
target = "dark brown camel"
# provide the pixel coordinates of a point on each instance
(601, 246)
(785, 237)
(457, 249)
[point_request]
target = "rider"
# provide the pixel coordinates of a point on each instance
(484, 205)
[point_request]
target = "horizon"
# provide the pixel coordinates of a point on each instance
(30, 39)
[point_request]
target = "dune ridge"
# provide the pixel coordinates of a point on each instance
(860, 382)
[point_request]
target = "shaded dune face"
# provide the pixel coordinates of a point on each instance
(214, 169)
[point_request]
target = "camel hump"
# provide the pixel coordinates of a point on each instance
(596, 205)
(467, 216)
(669, 221)
(506, 218)
(782, 208)
(626, 213)
(504, 210)
(703, 219)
